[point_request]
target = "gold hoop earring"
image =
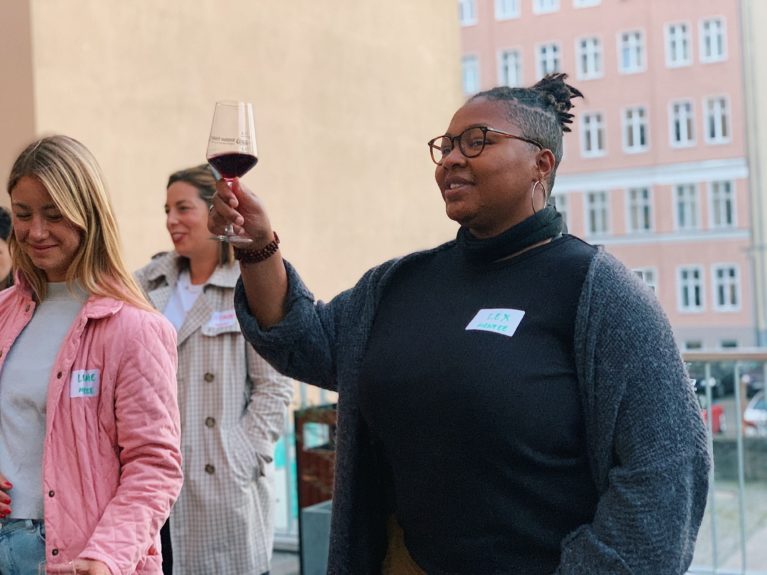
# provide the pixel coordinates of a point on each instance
(537, 183)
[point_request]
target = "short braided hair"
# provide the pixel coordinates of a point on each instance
(541, 111)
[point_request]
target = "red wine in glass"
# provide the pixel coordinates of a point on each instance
(232, 148)
(233, 165)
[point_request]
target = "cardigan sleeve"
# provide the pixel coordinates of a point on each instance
(307, 343)
(646, 438)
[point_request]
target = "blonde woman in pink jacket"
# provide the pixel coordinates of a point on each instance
(90, 463)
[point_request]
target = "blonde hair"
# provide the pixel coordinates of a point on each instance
(72, 177)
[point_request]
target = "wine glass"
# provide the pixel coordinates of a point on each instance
(232, 149)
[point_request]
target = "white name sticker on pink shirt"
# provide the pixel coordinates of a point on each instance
(84, 383)
(503, 321)
(222, 319)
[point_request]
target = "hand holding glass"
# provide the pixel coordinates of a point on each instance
(232, 148)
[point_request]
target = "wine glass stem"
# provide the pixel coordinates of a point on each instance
(229, 229)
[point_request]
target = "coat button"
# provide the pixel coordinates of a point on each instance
(210, 469)
(209, 377)
(58, 375)
(210, 422)
(55, 552)
(51, 493)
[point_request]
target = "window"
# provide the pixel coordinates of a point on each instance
(640, 210)
(726, 287)
(510, 68)
(506, 9)
(586, 3)
(687, 207)
(690, 288)
(592, 135)
(467, 12)
(589, 52)
(647, 275)
(717, 120)
(470, 74)
(693, 344)
(631, 52)
(635, 129)
(682, 124)
(548, 59)
(678, 45)
(545, 6)
(728, 343)
(712, 40)
(597, 212)
(722, 204)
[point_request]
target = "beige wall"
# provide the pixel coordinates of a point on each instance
(17, 124)
(346, 95)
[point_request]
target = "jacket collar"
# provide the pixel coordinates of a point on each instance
(96, 306)
(167, 266)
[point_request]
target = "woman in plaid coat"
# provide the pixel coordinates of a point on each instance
(233, 404)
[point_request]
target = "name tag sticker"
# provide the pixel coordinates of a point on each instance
(502, 321)
(222, 319)
(85, 383)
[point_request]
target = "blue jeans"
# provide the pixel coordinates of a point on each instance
(22, 546)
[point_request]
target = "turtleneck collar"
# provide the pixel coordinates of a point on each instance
(543, 225)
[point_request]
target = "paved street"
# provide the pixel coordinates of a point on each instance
(727, 528)
(285, 563)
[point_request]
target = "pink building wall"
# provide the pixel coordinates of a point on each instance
(662, 166)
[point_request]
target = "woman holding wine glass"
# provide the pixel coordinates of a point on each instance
(233, 404)
(511, 401)
(90, 463)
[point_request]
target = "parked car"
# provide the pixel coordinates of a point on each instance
(755, 416)
(718, 416)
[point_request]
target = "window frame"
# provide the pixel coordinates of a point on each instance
(604, 209)
(586, 131)
(671, 60)
(680, 289)
(514, 12)
(635, 128)
(702, 35)
(464, 60)
(639, 49)
(500, 70)
(736, 283)
(715, 209)
(595, 55)
(467, 18)
(691, 140)
(718, 138)
(695, 209)
(539, 59)
(549, 7)
(647, 205)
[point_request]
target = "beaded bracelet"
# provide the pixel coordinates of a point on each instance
(248, 256)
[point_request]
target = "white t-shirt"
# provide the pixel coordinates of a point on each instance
(182, 300)
(23, 392)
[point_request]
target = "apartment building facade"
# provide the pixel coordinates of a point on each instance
(656, 168)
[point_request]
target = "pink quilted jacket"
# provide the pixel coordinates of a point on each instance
(111, 463)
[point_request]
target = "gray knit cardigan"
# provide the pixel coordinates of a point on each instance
(646, 440)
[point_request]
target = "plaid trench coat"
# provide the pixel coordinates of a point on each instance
(233, 407)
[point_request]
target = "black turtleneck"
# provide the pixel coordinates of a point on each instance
(482, 428)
